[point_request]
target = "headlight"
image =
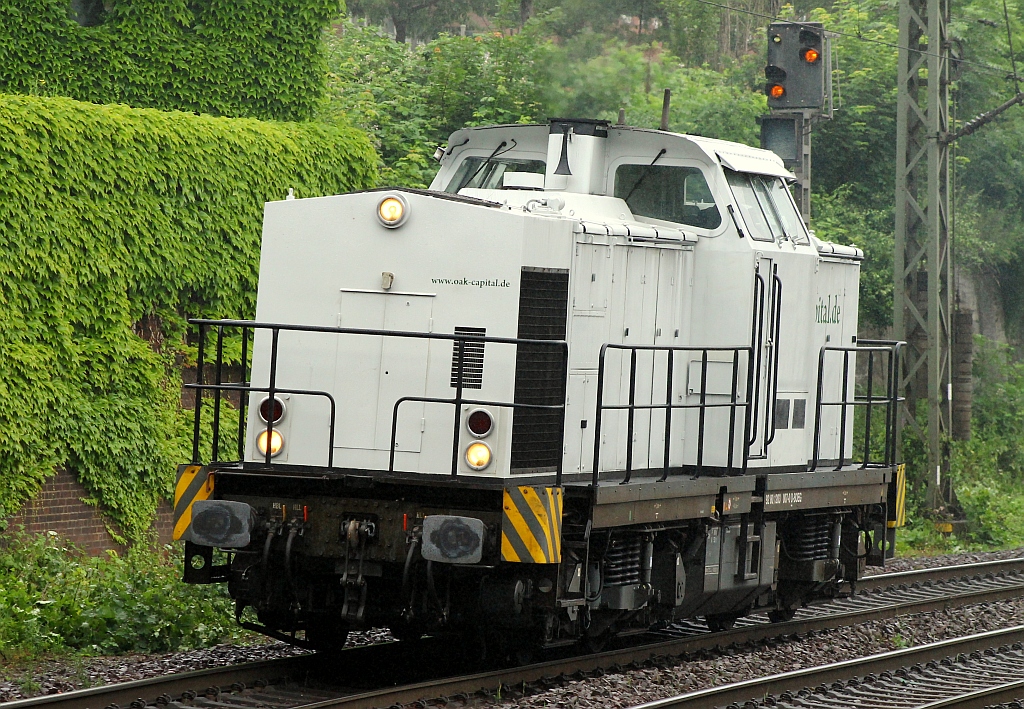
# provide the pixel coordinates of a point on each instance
(478, 455)
(392, 211)
(276, 442)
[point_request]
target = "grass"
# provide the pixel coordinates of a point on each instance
(55, 600)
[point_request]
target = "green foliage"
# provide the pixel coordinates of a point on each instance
(987, 471)
(597, 79)
(839, 219)
(410, 101)
(119, 221)
(57, 599)
(418, 18)
(259, 58)
(856, 148)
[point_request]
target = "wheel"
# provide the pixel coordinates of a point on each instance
(407, 632)
(781, 615)
(595, 643)
(721, 621)
(326, 639)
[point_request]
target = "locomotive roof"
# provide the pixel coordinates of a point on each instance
(533, 137)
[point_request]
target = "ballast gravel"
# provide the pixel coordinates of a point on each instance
(65, 675)
(612, 690)
(628, 688)
(910, 563)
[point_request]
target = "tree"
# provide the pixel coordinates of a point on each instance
(418, 18)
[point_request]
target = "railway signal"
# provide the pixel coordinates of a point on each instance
(797, 75)
(798, 84)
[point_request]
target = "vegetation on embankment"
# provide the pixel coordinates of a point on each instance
(117, 224)
(56, 600)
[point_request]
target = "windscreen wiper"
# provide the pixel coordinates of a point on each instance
(487, 162)
(645, 173)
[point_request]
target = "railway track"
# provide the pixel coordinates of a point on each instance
(365, 677)
(974, 671)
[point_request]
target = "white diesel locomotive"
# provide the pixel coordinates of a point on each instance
(594, 379)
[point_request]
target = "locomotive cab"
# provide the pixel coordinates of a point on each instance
(595, 378)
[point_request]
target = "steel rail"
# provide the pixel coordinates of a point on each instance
(147, 690)
(140, 693)
(546, 671)
(941, 573)
(758, 689)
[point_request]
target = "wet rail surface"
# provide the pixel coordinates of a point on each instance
(427, 671)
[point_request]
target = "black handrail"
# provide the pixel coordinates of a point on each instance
(756, 339)
(668, 406)
(772, 391)
(272, 390)
(891, 350)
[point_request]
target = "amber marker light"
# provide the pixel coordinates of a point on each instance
(811, 55)
(392, 211)
(777, 91)
(478, 455)
(276, 443)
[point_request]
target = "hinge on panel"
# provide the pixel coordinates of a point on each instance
(423, 425)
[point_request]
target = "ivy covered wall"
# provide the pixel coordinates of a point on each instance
(116, 224)
(258, 58)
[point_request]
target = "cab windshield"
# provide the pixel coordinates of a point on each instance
(674, 194)
(767, 207)
(487, 174)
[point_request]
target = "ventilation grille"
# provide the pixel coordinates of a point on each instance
(473, 361)
(543, 309)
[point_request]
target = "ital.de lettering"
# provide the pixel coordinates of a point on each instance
(827, 311)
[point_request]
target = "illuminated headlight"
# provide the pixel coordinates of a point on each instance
(478, 455)
(392, 211)
(276, 442)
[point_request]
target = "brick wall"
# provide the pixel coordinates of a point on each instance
(59, 508)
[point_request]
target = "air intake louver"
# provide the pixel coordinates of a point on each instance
(543, 309)
(473, 362)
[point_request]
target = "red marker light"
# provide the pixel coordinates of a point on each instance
(405, 522)
(305, 513)
(479, 423)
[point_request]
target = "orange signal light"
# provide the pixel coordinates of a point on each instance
(811, 55)
(777, 91)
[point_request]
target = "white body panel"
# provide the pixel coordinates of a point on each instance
(632, 280)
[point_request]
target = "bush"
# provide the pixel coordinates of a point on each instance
(259, 59)
(987, 471)
(57, 599)
(115, 225)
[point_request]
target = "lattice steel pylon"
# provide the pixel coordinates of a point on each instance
(922, 271)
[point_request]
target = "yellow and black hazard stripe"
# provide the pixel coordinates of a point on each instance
(531, 525)
(900, 517)
(194, 483)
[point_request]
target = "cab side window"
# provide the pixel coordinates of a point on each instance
(674, 194)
